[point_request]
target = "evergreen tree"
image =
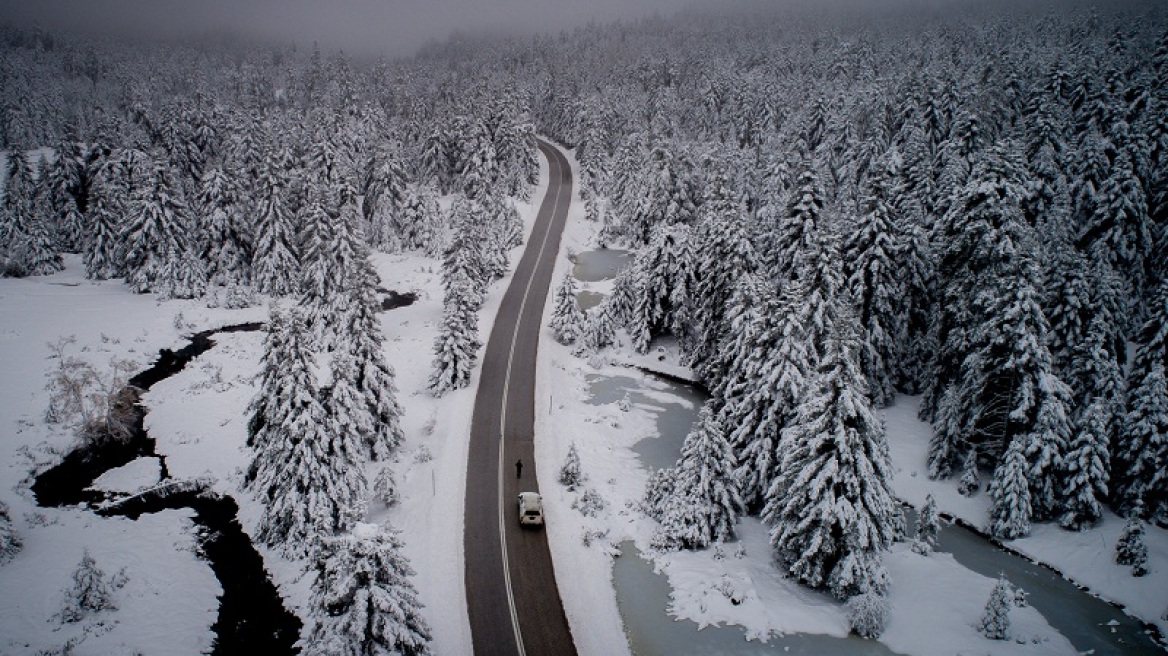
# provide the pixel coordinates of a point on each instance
(869, 254)
(307, 473)
(226, 244)
(1086, 467)
(363, 602)
(724, 255)
(567, 318)
(374, 377)
(1120, 231)
(275, 264)
(710, 503)
(91, 591)
(1141, 458)
(570, 474)
(764, 382)
(928, 526)
(795, 236)
(1010, 509)
(970, 481)
(457, 344)
(38, 254)
(156, 232)
(995, 621)
(917, 277)
(831, 509)
(1131, 549)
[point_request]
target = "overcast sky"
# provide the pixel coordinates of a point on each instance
(392, 27)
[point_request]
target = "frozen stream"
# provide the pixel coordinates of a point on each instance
(1090, 624)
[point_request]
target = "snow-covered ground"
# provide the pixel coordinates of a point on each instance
(198, 417)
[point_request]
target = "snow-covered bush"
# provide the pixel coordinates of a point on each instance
(570, 474)
(10, 542)
(970, 482)
(657, 491)
(995, 621)
(91, 592)
(868, 614)
(590, 504)
(385, 487)
(928, 526)
(1131, 549)
(99, 405)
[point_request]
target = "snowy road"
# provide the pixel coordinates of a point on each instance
(513, 602)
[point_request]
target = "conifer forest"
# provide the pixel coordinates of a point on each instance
(831, 211)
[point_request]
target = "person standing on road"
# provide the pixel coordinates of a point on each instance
(519, 468)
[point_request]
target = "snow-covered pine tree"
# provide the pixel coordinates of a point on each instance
(420, 219)
(321, 281)
(567, 321)
(10, 542)
(870, 252)
(710, 502)
(764, 381)
(37, 253)
(970, 482)
(928, 526)
(995, 621)
(831, 508)
(275, 260)
(723, 255)
(183, 275)
(363, 602)
(570, 474)
(1120, 231)
(306, 471)
(157, 231)
(798, 227)
(226, 244)
(270, 404)
(375, 378)
(1086, 466)
(916, 272)
(1140, 461)
(1131, 549)
(457, 344)
(345, 406)
(994, 375)
(103, 248)
(1010, 509)
(599, 328)
(90, 593)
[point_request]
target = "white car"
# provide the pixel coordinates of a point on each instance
(530, 509)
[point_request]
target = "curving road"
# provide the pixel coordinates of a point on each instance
(511, 589)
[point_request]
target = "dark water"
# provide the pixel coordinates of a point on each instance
(252, 617)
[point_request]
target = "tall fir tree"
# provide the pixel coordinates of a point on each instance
(567, 318)
(363, 602)
(1010, 510)
(831, 510)
(710, 503)
(457, 344)
(275, 260)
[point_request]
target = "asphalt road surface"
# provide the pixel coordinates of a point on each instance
(511, 589)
